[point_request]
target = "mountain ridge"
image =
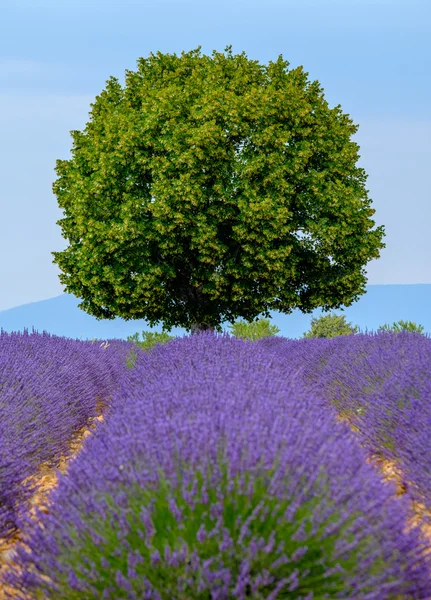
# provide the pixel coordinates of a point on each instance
(382, 303)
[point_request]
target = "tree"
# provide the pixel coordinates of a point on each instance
(402, 326)
(330, 326)
(150, 339)
(211, 188)
(254, 331)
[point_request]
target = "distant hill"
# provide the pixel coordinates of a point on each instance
(381, 304)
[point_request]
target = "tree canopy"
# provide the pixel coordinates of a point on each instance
(210, 188)
(330, 326)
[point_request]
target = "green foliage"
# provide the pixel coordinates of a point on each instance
(211, 188)
(149, 340)
(402, 326)
(330, 326)
(255, 330)
(131, 359)
(107, 542)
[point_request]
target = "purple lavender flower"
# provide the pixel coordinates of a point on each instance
(223, 436)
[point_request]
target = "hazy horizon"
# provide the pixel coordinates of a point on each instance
(381, 304)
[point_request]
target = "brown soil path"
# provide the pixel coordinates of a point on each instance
(391, 472)
(45, 480)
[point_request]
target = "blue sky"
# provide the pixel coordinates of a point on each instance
(370, 56)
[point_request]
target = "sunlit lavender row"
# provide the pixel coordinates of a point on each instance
(382, 384)
(217, 474)
(49, 388)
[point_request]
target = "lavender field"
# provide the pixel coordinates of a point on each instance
(223, 468)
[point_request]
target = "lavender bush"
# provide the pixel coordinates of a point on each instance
(381, 384)
(150, 339)
(217, 475)
(49, 388)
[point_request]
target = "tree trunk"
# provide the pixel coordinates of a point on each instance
(196, 296)
(197, 327)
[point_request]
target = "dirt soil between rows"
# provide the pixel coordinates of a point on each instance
(44, 480)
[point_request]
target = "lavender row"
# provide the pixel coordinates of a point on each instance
(218, 475)
(381, 383)
(49, 389)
